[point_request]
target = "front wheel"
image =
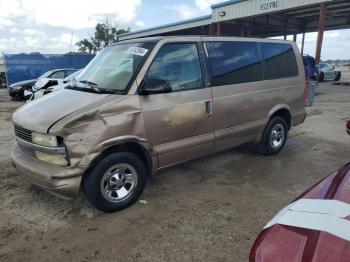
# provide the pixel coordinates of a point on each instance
(337, 78)
(274, 136)
(321, 77)
(116, 182)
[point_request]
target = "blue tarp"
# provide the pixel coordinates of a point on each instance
(21, 67)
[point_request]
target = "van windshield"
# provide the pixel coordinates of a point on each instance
(114, 66)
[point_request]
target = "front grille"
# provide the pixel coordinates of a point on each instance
(23, 133)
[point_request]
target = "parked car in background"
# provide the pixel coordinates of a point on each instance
(328, 72)
(311, 71)
(315, 227)
(16, 90)
(47, 85)
(145, 104)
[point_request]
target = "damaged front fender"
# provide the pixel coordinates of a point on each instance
(114, 120)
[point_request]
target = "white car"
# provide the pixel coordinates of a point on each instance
(328, 72)
(47, 85)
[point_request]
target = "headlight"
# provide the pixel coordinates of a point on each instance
(19, 87)
(56, 159)
(44, 140)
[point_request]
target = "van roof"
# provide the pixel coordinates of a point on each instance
(184, 37)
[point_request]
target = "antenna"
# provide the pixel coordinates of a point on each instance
(70, 51)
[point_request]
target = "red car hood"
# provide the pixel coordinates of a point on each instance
(315, 227)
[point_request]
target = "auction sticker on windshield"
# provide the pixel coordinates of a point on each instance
(137, 51)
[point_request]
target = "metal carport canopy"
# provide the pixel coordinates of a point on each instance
(258, 18)
(261, 18)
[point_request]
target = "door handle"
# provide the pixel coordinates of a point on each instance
(208, 108)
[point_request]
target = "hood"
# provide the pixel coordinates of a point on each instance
(316, 227)
(25, 82)
(39, 115)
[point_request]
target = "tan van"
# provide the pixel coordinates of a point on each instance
(145, 104)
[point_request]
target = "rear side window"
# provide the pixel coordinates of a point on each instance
(69, 72)
(234, 62)
(179, 64)
(58, 75)
(279, 61)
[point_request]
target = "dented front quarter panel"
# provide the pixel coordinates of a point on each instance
(88, 132)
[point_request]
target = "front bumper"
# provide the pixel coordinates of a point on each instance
(17, 94)
(28, 95)
(63, 182)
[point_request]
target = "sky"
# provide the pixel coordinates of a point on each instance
(49, 27)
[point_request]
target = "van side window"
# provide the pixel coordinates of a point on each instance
(179, 64)
(279, 61)
(234, 62)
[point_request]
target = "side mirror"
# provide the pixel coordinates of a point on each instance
(155, 86)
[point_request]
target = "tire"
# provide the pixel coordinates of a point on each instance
(321, 77)
(102, 185)
(268, 145)
(337, 78)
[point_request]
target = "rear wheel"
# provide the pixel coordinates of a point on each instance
(116, 182)
(274, 136)
(337, 78)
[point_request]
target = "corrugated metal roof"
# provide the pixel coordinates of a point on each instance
(187, 21)
(230, 2)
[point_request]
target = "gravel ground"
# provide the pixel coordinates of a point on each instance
(209, 209)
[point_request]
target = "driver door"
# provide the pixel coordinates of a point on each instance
(178, 124)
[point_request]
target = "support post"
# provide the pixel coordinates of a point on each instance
(212, 29)
(218, 28)
(295, 37)
(321, 26)
(285, 29)
(302, 44)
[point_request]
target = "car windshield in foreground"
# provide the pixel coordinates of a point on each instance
(114, 66)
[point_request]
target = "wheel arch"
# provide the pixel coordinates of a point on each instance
(283, 111)
(131, 145)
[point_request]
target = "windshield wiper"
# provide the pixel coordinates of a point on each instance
(97, 88)
(87, 82)
(90, 84)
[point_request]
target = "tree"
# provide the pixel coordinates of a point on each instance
(85, 46)
(105, 33)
